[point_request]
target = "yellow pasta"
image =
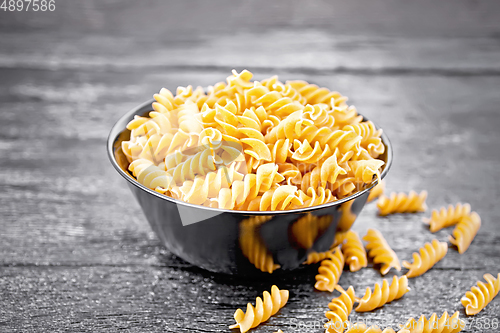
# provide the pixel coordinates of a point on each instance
(376, 192)
(383, 295)
(315, 257)
(329, 271)
(312, 146)
(379, 249)
(479, 296)
(252, 246)
(264, 308)
(447, 217)
(429, 255)
(402, 203)
(445, 324)
(354, 252)
(465, 231)
(340, 309)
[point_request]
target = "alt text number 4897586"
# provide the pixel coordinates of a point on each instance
(28, 5)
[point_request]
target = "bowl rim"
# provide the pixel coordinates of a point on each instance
(115, 132)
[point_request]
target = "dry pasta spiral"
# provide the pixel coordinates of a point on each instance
(384, 295)
(447, 217)
(465, 231)
(379, 249)
(315, 257)
(354, 252)
(429, 255)
(479, 296)
(264, 308)
(252, 245)
(445, 324)
(150, 175)
(315, 94)
(329, 271)
(323, 149)
(340, 309)
(402, 203)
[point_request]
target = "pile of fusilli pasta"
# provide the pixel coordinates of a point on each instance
(256, 145)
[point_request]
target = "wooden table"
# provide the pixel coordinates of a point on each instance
(76, 253)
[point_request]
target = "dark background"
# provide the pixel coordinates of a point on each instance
(76, 253)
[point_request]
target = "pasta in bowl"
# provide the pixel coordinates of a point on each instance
(222, 174)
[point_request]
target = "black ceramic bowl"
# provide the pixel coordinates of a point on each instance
(239, 242)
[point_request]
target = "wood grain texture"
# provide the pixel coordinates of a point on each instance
(76, 253)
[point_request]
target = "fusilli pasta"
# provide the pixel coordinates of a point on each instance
(264, 308)
(479, 296)
(354, 252)
(447, 217)
(329, 271)
(384, 295)
(379, 249)
(465, 231)
(445, 324)
(340, 308)
(429, 255)
(321, 147)
(402, 203)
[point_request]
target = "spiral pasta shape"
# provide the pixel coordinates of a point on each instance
(150, 175)
(265, 307)
(445, 324)
(376, 191)
(322, 148)
(429, 255)
(354, 252)
(340, 309)
(465, 231)
(329, 271)
(313, 93)
(402, 203)
(253, 247)
(384, 295)
(379, 249)
(315, 257)
(447, 217)
(479, 296)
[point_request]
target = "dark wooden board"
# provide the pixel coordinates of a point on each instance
(76, 253)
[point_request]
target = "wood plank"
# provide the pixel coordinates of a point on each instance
(310, 51)
(173, 20)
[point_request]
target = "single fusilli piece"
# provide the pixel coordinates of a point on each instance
(479, 296)
(264, 308)
(381, 296)
(376, 192)
(402, 203)
(252, 245)
(465, 231)
(329, 271)
(340, 308)
(315, 257)
(429, 255)
(447, 217)
(354, 252)
(445, 324)
(379, 249)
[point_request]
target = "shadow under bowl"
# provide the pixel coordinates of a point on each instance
(239, 242)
